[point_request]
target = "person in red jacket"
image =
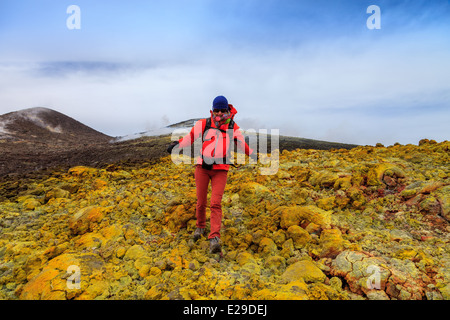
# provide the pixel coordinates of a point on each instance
(213, 163)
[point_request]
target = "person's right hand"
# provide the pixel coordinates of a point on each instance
(171, 146)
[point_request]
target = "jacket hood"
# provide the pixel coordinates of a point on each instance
(233, 110)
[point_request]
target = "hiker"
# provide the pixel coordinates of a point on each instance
(213, 163)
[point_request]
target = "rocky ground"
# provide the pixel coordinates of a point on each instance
(364, 223)
(29, 159)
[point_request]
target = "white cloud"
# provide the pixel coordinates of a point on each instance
(362, 93)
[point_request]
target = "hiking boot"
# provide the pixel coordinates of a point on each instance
(198, 233)
(214, 245)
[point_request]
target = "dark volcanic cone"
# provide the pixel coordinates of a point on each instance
(46, 125)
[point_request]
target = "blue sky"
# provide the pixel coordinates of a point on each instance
(309, 68)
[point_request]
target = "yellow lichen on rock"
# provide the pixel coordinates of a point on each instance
(295, 215)
(86, 219)
(304, 270)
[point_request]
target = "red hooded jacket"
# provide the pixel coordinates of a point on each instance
(215, 143)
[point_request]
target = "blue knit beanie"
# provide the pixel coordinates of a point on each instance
(220, 102)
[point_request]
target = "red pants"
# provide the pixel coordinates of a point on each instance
(218, 181)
